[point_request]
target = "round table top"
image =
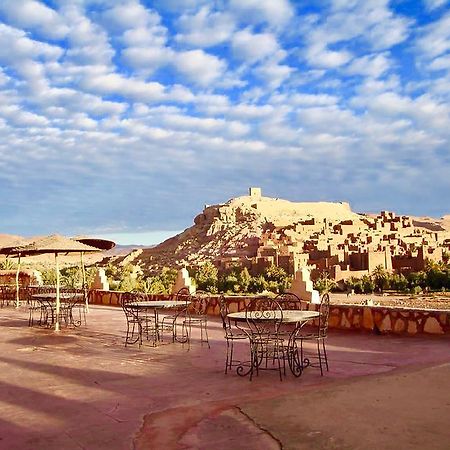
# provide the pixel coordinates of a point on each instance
(286, 316)
(158, 304)
(52, 295)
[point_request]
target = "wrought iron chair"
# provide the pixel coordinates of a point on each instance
(169, 321)
(291, 301)
(47, 307)
(134, 325)
(318, 334)
(73, 305)
(7, 295)
(80, 305)
(139, 321)
(264, 318)
(232, 334)
(34, 306)
(196, 317)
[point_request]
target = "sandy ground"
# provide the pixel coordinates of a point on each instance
(427, 301)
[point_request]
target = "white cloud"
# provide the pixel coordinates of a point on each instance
(89, 43)
(150, 58)
(435, 38)
(18, 117)
(303, 99)
(273, 74)
(205, 28)
(252, 47)
(15, 46)
(274, 12)
(131, 88)
(434, 4)
(205, 125)
(370, 21)
(155, 36)
(441, 63)
(36, 16)
(119, 97)
(320, 56)
(369, 65)
(199, 67)
(131, 14)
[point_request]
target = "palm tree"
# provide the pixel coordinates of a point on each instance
(380, 277)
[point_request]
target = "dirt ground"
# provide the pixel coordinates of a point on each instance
(435, 300)
(82, 389)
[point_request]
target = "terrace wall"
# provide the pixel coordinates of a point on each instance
(377, 319)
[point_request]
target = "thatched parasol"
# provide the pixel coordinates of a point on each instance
(50, 244)
(101, 244)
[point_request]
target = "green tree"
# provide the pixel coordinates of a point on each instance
(368, 285)
(257, 284)
(71, 277)
(417, 279)
(244, 279)
(398, 282)
(154, 285)
(324, 283)
(168, 277)
(229, 283)
(49, 277)
(277, 279)
(8, 264)
(354, 284)
(206, 277)
(380, 277)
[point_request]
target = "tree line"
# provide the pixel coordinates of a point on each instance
(237, 280)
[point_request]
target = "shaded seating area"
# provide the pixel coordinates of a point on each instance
(41, 304)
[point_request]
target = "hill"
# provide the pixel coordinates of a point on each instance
(257, 230)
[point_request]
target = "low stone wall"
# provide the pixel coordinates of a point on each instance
(377, 319)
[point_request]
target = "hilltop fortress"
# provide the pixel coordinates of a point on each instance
(255, 231)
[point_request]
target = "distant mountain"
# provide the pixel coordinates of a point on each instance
(120, 250)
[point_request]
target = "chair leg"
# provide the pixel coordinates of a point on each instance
(205, 325)
(320, 357)
(325, 354)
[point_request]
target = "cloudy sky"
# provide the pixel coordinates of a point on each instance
(126, 117)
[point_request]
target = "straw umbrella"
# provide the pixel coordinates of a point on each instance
(52, 244)
(101, 244)
(10, 250)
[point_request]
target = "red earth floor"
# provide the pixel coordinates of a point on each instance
(82, 389)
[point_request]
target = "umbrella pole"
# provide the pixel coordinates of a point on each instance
(83, 272)
(57, 293)
(17, 284)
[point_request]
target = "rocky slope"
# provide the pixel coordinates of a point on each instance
(234, 229)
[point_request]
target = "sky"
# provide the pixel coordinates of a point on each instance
(124, 118)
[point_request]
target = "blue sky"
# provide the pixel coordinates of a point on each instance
(123, 118)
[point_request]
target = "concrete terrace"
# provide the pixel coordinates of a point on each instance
(82, 389)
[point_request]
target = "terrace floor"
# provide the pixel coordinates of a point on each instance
(82, 389)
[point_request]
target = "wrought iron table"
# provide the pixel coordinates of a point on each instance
(296, 317)
(155, 306)
(47, 303)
